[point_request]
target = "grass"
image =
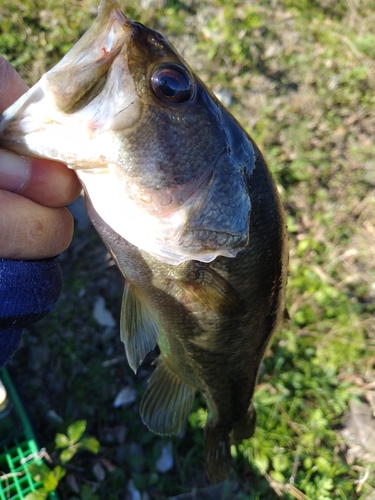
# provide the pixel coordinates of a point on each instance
(299, 76)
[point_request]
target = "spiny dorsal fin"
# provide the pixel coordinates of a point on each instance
(213, 291)
(167, 402)
(217, 452)
(138, 328)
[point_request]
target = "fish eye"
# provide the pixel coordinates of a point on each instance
(172, 83)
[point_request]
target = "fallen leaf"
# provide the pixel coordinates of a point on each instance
(359, 433)
(102, 315)
(165, 462)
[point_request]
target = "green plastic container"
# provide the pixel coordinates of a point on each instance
(17, 442)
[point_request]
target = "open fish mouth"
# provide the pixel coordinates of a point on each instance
(61, 114)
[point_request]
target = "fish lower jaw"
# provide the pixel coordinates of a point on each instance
(80, 152)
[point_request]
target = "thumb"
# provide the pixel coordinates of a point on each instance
(11, 84)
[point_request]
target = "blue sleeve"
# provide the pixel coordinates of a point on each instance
(28, 291)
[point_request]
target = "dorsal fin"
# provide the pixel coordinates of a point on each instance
(167, 402)
(138, 328)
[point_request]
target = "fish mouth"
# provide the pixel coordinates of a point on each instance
(81, 74)
(64, 102)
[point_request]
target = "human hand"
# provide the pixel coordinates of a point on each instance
(34, 224)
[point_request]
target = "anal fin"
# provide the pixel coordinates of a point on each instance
(139, 329)
(167, 402)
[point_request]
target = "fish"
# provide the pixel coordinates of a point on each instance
(186, 205)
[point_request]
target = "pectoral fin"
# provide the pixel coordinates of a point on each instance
(167, 401)
(211, 290)
(139, 329)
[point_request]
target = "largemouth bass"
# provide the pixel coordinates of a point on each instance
(185, 203)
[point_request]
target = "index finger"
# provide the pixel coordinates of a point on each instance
(43, 181)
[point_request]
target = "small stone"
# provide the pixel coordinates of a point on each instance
(132, 492)
(125, 397)
(102, 315)
(54, 418)
(99, 471)
(165, 462)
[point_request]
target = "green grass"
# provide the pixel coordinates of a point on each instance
(300, 78)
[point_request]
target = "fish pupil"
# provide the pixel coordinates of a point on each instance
(172, 84)
(169, 86)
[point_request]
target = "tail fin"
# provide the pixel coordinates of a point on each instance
(218, 458)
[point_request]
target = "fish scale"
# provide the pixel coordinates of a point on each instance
(184, 201)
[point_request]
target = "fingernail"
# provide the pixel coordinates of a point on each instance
(14, 171)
